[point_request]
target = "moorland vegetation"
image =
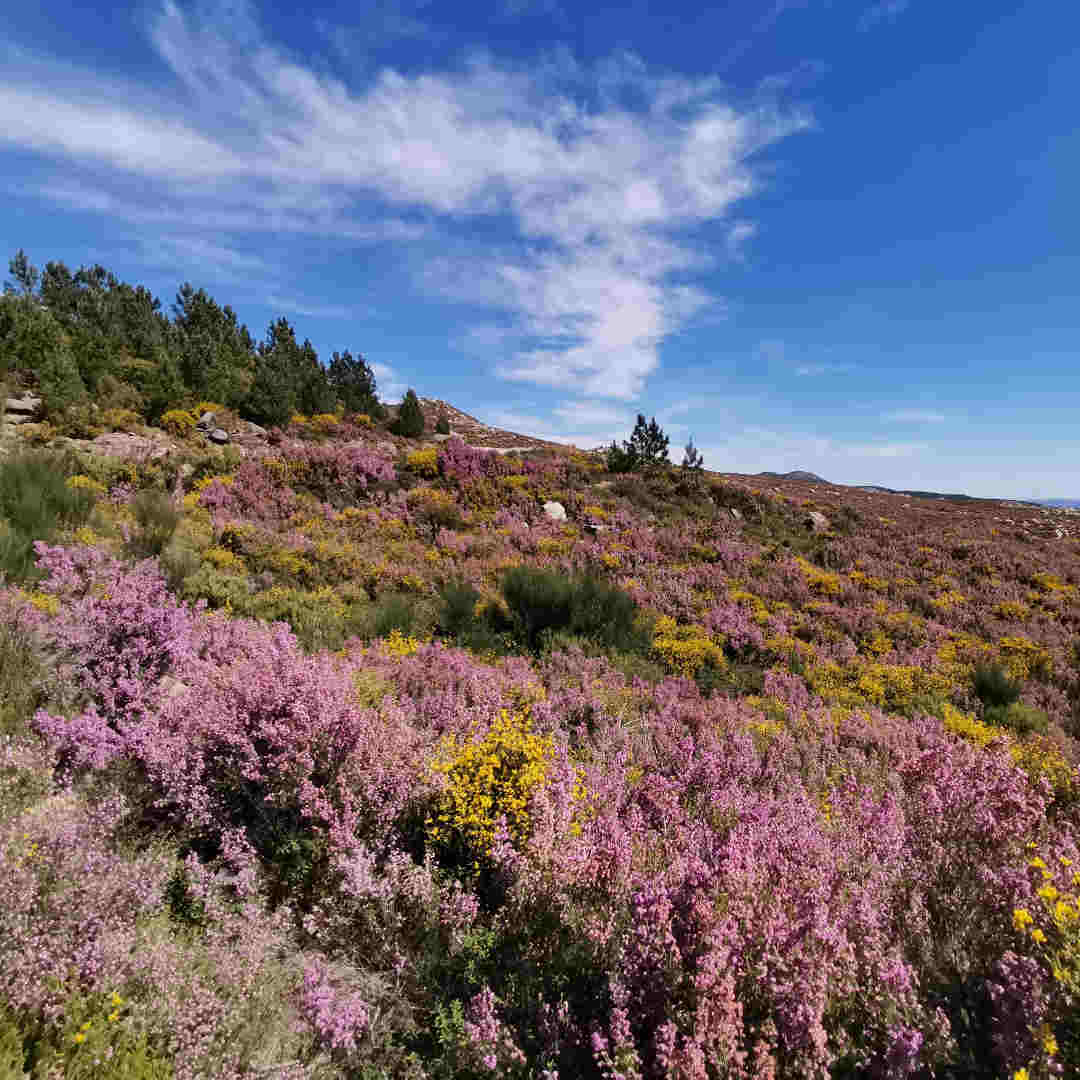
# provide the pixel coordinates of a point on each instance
(340, 757)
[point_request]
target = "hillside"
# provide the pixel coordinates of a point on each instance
(369, 760)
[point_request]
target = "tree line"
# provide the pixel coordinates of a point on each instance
(86, 335)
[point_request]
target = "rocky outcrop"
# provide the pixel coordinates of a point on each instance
(817, 522)
(555, 511)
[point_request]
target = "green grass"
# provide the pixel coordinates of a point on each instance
(35, 504)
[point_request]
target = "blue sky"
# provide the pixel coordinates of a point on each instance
(836, 235)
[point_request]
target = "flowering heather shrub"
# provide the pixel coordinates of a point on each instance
(812, 859)
(460, 462)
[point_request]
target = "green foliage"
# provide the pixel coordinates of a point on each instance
(25, 275)
(619, 460)
(157, 518)
(993, 687)
(543, 602)
(648, 445)
(215, 351)
(410, 418)
(442, 425)
(353, 381)
(692, 460)
(93, 1041)
(393, 612)
(20, 677)
(1018, 717)
(461, 621)
(35, 503)
(272, 399)
(184, 907)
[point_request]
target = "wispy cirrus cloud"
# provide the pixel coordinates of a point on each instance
(591, 196)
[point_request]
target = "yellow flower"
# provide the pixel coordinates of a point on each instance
(114, 1015)
(1050, 1044)
(1022, 918)
(1038, 936)
(1048, 893)
(80, 1036)
(1020, 1074)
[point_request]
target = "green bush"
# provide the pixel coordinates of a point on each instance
(458, 620)
(393, 612)
(178, 561)
(35, 503)
(84, 1045)
(544, 602)
(20, 673)
(442, 425)
(993, 687)
(1018, 717)
(157, 517)
(457, 616)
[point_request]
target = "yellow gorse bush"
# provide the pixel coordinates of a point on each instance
(820, 581)
(397, 644)
(424, 462)
(178, 422)
(685, 649)
(488, 778)
(85, 483)
(325, 423)
(1023, 658)
(224, 559)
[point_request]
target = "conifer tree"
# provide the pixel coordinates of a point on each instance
(410, 417)
(692, 460)
(648, 445)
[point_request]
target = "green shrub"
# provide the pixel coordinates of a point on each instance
(544, 602)
(1018, 717)
(93, 1041)
(20, 674)
(993, 687)
(157, 518)
(35, 503)
(393, 612)
(458, 620)
(218, 589)
(457, 616)
(178, 561)
(442, 425)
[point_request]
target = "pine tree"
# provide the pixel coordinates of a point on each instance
(353, 381)
(410, 417)
(272, 398)
(692, 461)
(648, 445)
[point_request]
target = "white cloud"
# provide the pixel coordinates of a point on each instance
(590, 199)
(914, 416)
(391, 386)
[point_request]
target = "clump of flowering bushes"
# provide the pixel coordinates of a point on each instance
(691, 804)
